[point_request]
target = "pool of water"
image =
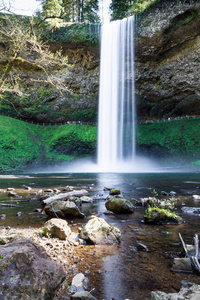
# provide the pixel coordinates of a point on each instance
(118, 272)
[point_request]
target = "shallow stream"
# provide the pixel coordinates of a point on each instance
(117, 272)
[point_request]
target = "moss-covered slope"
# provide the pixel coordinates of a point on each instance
(178, 140)
(23, 145)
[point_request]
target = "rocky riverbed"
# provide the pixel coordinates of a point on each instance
(145, 250)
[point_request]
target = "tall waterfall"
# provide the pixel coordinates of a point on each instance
(116, 126)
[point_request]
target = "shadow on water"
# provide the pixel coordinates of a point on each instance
(119, 272)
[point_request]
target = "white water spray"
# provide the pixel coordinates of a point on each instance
(116, 126)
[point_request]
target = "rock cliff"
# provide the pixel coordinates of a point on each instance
(167, 60)
(166, 70)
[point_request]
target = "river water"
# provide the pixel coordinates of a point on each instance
(118, 272)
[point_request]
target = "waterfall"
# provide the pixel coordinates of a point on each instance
(116, 125)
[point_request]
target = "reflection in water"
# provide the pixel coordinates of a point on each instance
(125, 272)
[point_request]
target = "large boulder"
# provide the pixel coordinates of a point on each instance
(192, 293)
(63, 209)
(119, 205)
(98, 232)
(26, 272)
(57, 228)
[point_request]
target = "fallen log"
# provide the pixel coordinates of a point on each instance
(64, 196)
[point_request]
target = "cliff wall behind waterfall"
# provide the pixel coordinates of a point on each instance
(168, 60)
(167, 70)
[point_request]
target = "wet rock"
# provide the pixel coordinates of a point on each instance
(185, 293)
(191, 210)
(196, 197)
(76, 200)
(182, 265)
(79, 283)
(119, 205)
(63, 210)
(86, 199)
(186, 284)
(67, 189)
(28, 188)
(114, 192)
(48, 191)
(33, 274)
(82, 296)
(10, 190)
(38, 210)
(98, 232)
(12, 194)
(19, 214)
(172, 193)
(163, 193)
(57, 228)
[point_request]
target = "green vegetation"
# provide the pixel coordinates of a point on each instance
(114, 192)
(139, 6)
(121, 9)
(156, 215)
(177, 139)
(23, 144)
(80, 33)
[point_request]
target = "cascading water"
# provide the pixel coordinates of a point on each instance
(116, 126)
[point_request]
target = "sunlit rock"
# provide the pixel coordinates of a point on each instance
(98, 232)
(57, 228)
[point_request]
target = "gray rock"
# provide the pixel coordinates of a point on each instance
(82, 296)
(192, 293)
(63, 210)
(57, 228)
(98, 232)
(182, 265)
(191, 210)
(34, 275)
(79, 283)
(196, 197)
(86, 199)
(119, 205)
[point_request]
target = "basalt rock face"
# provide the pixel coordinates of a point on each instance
(167, 60)
(46, 85)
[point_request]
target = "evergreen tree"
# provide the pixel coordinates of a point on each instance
(119, 9)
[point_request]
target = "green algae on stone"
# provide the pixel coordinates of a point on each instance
(156, 215)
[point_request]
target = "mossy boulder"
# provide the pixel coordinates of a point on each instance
(156, 215)
(115, 192)
(119, 205)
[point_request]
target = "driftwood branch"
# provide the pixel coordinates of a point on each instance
(194, 257)
(65, 196)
